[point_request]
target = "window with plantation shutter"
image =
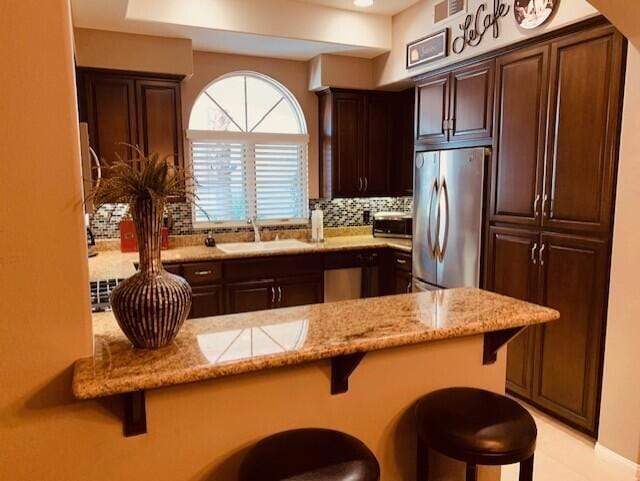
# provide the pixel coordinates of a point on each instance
(249, 147)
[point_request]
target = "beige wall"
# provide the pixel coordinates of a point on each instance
(620, 411)
(340, 71)
(126, 51)
(417, 22)
(292, 74)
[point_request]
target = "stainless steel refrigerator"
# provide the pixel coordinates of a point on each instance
(447, 218)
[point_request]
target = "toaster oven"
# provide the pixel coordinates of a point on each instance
(393, 224)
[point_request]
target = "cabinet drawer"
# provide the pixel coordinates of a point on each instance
(202, 273)
(270, 267)
(402, 261)
(172, 269)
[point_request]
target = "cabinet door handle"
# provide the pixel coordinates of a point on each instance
(535, 206)
(544, 205)
(533, 253)
(366, 184)
(202, 273)
(279, 295)
(401, 261)
(409, 287)
(273, 295)
(541, 254)
(359, 184)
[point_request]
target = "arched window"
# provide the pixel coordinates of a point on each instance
(249, 143)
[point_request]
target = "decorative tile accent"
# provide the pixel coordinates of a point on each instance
(337, 213)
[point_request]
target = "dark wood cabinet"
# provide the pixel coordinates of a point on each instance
(513, 271)
(110, 109)
(131, 108)
(553, 175)
(519, 136)
(584, 121)
(300, 291)
(456, 106)
(556, 366)
(568, 352)
(432, 109)
(364, 136)
(471, 105)
(206, 302)
(250, 296)
(160, 118)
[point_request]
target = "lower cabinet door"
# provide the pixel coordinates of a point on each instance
(403, 282)
(300, 291)
(512, 270)
(206, 302)
(569, 351)
(250, 296)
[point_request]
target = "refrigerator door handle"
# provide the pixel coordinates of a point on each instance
(443, 248)
(433, 249)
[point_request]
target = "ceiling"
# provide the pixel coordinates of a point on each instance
(368, 37)
(381, 7)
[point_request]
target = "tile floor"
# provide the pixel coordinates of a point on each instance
(565, 455)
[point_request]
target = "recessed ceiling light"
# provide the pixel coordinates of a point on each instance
(363, 3)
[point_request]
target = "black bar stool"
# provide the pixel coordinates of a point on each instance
(477, 427)
(310, 454)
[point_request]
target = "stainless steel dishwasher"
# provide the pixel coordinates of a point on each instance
(349, 275)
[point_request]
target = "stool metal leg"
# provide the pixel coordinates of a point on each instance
(526, 469)
(422, 461)
(472, 472)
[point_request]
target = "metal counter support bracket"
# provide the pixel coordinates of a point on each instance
(341, 368)
(135, 414)
(493, 341)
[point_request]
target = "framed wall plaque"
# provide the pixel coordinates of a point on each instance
(428, 49)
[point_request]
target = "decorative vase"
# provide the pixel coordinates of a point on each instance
(151, 305)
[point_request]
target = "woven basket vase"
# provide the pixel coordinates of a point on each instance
(151, 305)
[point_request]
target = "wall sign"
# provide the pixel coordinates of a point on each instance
(475, 26)
(533, 13)
(428, 49)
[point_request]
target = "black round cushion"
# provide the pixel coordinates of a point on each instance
(476, 426)
(310, 455)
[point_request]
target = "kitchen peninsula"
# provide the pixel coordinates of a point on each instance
(415, 343)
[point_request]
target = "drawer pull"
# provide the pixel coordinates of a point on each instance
(202, 273)
(401, 261)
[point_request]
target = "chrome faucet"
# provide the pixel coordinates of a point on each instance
(256, 230)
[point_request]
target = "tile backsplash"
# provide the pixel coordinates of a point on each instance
(337, 213)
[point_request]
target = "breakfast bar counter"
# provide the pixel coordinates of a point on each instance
(215, 347)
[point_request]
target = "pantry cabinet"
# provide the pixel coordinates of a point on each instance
(550, 211)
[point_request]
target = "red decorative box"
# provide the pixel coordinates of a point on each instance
(129, 241)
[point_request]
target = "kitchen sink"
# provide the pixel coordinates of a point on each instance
(266, 246)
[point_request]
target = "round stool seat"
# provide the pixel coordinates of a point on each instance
(476, 426)
(310, 454)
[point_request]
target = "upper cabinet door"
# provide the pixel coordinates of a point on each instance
(470, 111)
(513, 271)
(519, 136)
(376, 169)
(348, 144)
(111, 115)
(432, 109)
(159, 118)
(583, 127)
(568, 357)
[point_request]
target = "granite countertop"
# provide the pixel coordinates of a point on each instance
(214, 347)
(115, 264)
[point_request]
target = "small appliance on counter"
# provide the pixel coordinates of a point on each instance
(317, 225)
(393, 224)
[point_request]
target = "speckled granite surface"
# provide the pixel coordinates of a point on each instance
(114, 264)
(220, 346)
